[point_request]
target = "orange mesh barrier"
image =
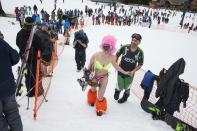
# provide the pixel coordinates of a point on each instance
(44, 76)
(188, 114)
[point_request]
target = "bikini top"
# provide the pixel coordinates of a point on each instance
(100, 67)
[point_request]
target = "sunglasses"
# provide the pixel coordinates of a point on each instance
(106, 47)
(137, 36)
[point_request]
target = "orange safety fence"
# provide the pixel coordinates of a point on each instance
(188, 114)
(44, 74)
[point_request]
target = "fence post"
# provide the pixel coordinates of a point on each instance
(37, 84)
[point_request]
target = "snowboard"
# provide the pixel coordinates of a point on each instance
(158, 114)
(86, 79)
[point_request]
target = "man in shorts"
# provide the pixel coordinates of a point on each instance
(132, 60)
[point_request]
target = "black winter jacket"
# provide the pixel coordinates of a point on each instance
(21, 41)
(9, 57)
(167, 83)
(39, 43)
(46, 51)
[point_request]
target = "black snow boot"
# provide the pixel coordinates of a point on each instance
(124, 97)
(116, 94)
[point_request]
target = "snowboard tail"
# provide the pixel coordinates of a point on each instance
(159, 114)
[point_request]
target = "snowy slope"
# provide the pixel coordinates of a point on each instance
(67, 108)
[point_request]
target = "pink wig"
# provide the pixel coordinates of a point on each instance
(109, 40)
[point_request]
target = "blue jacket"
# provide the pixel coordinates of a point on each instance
(148, 80)
(66, 24)
(34, 17)
(8, 57)
(80, 35)
(37, 19)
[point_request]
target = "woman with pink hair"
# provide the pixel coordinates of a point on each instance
(99, 64)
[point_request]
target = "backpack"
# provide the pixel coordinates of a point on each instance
(46, 51)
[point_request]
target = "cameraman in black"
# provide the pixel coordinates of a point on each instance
(80, 44)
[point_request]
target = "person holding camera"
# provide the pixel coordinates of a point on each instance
(80, 44)
(9, 114)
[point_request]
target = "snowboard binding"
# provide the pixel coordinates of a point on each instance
(182, 127)
(87, 74)
(82, 83)
(157, 114)
(86, 79)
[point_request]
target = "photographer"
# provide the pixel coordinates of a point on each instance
(9, 114)
(41, 41)
(80, 44)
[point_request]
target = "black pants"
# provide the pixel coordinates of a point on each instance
(80, 58)
(35, 12)
(10, 119)
(30, 79)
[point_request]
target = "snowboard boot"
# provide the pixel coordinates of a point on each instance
(91, 97)
(124, 97)
(101, 106)
(116, 94)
